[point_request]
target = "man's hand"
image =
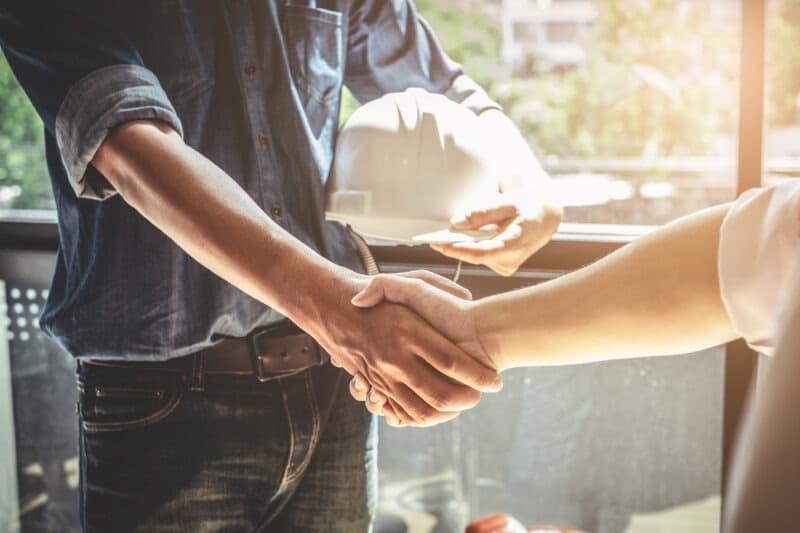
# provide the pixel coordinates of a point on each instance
(428, 378)
(524, 215)
(436, 300)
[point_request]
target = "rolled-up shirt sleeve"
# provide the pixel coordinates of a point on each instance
(392, 48)
(83, 77)
(759, 260)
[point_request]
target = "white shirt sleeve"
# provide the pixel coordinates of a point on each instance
(759, 259)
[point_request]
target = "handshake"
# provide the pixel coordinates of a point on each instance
(413, 348)
(411, 341)
(405, 164)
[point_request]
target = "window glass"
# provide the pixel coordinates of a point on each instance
(631, 105)
(24, 182)
(621, 446)
(782, 91)
(39, 473)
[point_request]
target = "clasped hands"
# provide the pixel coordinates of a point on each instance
(433, 364)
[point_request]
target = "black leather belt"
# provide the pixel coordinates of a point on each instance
(266, 353)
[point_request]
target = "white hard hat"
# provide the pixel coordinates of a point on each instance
(408, 162)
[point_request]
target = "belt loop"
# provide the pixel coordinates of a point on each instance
(197, 381)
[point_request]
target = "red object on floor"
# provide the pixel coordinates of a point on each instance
(503, 523)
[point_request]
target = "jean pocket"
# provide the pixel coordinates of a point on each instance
(315, 50)
(106, 408)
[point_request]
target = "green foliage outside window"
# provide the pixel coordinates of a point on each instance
(660, 80)
(783, 65)
(24, 182)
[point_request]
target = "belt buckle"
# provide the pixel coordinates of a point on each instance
(273, 362)
(255, 358)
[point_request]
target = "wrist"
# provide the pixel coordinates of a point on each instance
(487, 331)
(326, 296)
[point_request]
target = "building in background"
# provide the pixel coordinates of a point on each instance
(545, 34)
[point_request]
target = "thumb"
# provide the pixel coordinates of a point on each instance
(478, 218)
(393, 289)
(369, 296)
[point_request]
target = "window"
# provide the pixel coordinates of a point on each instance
(782, 92)
(631, 106)
(24, 182)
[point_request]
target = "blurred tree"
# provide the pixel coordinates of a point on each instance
(467, 35)
(783, 64)
(24, 182)
(659, 80)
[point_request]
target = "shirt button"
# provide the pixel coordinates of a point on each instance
(250, 70)
(276, 211)
(262, 140)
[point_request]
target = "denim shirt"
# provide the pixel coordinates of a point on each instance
(254, 85)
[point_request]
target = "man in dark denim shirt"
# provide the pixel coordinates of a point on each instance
(188, 144)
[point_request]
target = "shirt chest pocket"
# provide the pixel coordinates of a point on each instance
(315, 50)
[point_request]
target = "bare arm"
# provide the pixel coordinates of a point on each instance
(208, 215)
(663, 293)
(657, 296)
(213, 219)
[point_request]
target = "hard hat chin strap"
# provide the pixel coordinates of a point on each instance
(458, 272)
(370, 265)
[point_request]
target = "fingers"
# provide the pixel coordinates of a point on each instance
(476, 253)
(482, 217)
(409, 412)
(362, 391)
(410, 408)
(393, 289)
(375, 402)
(406, 288)
(378, 404)
(396, 415)
(503, 253)
(455, 363)
(359, 388)
(440, 282)
(435, 306)
(428, 398)
(345, 364)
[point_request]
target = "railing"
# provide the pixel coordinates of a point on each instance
(674, 166)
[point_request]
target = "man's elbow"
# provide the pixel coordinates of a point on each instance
(120, 156)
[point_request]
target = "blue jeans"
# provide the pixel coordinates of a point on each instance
(164, 449)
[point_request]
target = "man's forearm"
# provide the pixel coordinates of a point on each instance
(657, 296)
(208, 215)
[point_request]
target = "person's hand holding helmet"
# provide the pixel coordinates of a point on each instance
(416, 167)
(524, 215)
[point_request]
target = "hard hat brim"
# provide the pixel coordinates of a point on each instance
(419, 231)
